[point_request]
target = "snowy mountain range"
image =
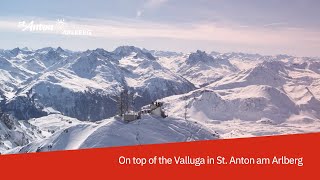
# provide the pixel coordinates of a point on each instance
(56, 99)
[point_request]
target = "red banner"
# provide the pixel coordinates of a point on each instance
(278, 157)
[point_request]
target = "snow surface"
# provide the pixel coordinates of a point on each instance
(70, 133)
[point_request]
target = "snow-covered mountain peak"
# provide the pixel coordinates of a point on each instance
(199, 67)
(199, 56)
(103, 54)
(282, 56)
(59, 49)
(15, 51)
(52, 54)
(275, 66)
(124, 51)
(26, 49)
(44, 50)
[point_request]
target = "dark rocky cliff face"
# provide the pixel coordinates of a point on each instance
(24, 108)
(90, 106)
(81, 105)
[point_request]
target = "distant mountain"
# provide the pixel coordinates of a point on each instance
(124, 51)
(200, 68)
(163, 53)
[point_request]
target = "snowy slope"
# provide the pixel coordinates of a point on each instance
(68, 133)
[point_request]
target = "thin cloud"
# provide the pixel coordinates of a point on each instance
(150, 4)
(139, 13)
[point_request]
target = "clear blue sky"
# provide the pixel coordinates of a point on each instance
(267, 27)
